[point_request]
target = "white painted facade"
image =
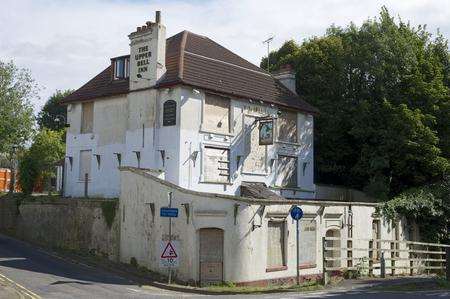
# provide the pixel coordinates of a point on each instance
(132, 125)
(244, 223)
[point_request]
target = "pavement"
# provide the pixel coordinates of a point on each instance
(27, 271)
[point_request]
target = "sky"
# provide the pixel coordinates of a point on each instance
(64, 43)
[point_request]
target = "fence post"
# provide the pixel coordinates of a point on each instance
(382, 266)
(350, 253)
(371, 258)
(447, 263)
(393, 256)
(324, 265)
(411, 262)
(86, 183)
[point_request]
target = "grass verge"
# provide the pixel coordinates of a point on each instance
(231, 288)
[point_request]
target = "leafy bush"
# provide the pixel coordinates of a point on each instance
(428, 206)
(39, 160)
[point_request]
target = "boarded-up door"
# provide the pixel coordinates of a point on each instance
(211, 255)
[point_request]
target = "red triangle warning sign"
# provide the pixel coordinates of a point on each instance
(169, 252)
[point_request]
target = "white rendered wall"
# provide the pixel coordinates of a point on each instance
(133, 123)
(245, 248)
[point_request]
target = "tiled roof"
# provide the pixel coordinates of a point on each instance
(198, 61)
(259, 191)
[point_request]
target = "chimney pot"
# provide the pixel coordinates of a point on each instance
(143, 28)
(158, 17)
(138, 29)
(148, 23)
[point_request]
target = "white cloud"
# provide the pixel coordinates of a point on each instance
(66, 43)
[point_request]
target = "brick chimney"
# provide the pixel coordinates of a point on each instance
(286, 76)
(147, 54)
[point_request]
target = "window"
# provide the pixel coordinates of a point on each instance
(254, 154)
(87, 117)
(276, 255)
(121, 68)
(287, 126)
(216, 114)
(85, 164)
(169, 113)
(287, 172)
(216, 165)
(308, 244)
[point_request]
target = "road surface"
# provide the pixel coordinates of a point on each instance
(34, 273)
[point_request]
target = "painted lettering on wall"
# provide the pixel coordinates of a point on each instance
(142, 59)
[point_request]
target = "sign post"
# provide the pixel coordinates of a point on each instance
(297, 214)
(169, 254)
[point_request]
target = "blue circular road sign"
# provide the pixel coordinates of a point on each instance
(296, 213)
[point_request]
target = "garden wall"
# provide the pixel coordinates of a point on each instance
(72, 224)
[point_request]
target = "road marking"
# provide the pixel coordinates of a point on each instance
(20, 287)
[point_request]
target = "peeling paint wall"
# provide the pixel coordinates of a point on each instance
(245, 227)
(132, 126)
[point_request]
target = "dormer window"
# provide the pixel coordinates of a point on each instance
(121, 68)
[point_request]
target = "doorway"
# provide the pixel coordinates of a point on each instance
(211, 255)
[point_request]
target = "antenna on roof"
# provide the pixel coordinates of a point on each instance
(268, 41)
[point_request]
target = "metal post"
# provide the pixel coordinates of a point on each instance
(382, 266)
(86, 183)
(298, 255)
(170, 236)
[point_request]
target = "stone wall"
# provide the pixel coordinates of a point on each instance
(72, 224)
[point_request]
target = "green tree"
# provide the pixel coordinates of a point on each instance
(53, 115)
(39, 160)
(17, 89)
(383, 91)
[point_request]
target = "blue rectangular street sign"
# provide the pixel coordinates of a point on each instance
(168, 212)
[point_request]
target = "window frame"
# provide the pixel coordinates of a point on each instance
(169, 101)
(284, 246)
(81, 177)
(204, 128)
(83, 127)
(203, 167)
(125, 70)
(296, 172)
(277, 128)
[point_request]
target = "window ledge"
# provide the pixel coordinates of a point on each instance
(255, 173)
(275, 269)
(291, 189)
(216, 183)
(203, 131)
(287, 142)
(307, 266)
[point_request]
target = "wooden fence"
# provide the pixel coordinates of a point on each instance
(377, 257)
(5, 175)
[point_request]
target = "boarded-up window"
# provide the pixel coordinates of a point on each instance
(169, 113)
(287, 171)
(308, 241)
(216, 165)
(254, 154)
(87, 117)
(85, 164)
(287, 126)
(275, 244)
(216, 114)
